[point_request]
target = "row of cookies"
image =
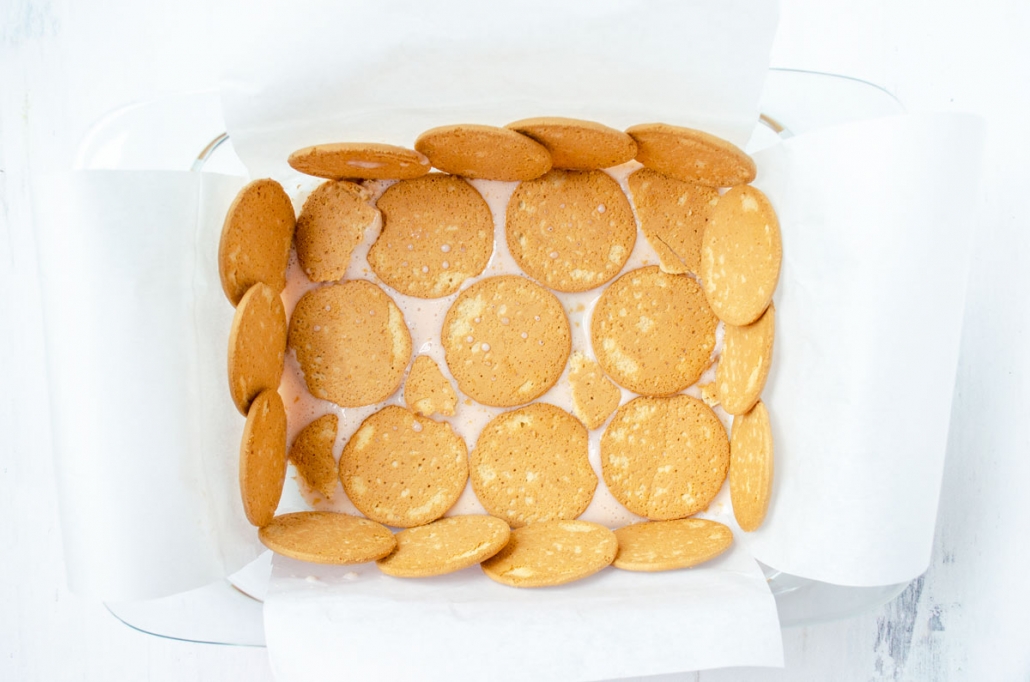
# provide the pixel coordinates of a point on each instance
(539, 555)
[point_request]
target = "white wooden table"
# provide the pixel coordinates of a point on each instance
(64, 64)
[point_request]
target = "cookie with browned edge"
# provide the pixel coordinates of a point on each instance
(312, 454)
(665, 458)
(327, 538)
(351, 342)
(484, 152)
(691, 155)
(257, 345)
(552, 553)
(445, 546)
(575, 144)
(437, 232)
(331, 224)
(359, 160)
(672, 215)
(256, 237)
(669, 545)
(263, 457)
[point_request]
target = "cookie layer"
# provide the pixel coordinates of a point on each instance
(668, 545)
(363, 160)
(437, 232)
(255, 241)
(257, 345)
(333, 221)
(653, 332)
(506, 340)
(484, 152)
(530, 465)
(312, 454)
(745, 361)
(691, 155)
(427, 390)
(402, 469)
(751, 467)
(575, 144)
(570, 230)
(594, 396)
(740, 256)
(327, 538)
(665, 458)
(351, 342)
(552, 553)
(263, 457)
(672, 215)
(445, 546)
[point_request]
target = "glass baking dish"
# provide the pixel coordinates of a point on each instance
(167, 134)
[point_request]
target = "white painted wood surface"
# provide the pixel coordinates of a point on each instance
(64, 64)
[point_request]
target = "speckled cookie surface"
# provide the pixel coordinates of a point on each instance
(570, 230)
(364, 160)
(484, 152)
(530, 465)
(672, 215)
(552, 553)
(437, 232)
(263, 457)
(751, 467)
(665, 458)
(740, 256)
(427, 390)
(402, 469)
(256, 237)
(351, 343)
(312, 455)
(594, 396)
(745, 361)
(653, 332)
(575, 144)
(668, 545)
(333, 221)
(257, 345)
(691, 155)
(445, 546)
(506, 340)
(327, 538)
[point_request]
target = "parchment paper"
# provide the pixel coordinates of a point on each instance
(145, 433)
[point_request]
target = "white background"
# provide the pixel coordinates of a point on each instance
(63, 65)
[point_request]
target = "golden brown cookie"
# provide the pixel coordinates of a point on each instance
(402, 469)
(365, 160)
(744, 363)
(263, 457)
(740, 256)
(327, 538)
(484, 152)
(332, 222)
(427, 390)
(506, 340)
(445, 546)
(594, 396)
(709, 394)
(312, 454)
(653, 332)
(751, 467)
(552, 553)
(570, 230)
(437, 232)
(530, 465)
(578, 145)
(672, 215)
(256, 238)
(665, 458)
(691, 155)
(351, 342)
(257, 345)
(668, 545)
